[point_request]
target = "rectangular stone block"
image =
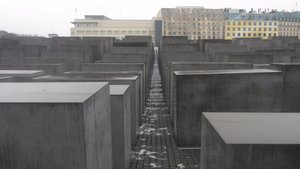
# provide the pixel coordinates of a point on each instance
(291, 85)
(189, 66)
(50, 69)
(134, 96)
(22, 75)
(55, 125)
(221, 90)
(6, 79)
(235, 140)
(115, 74)
(120, 119)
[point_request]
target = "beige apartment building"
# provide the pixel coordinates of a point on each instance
(194, 22)
(102, 26)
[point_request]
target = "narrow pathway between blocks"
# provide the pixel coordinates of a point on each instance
(156, 147)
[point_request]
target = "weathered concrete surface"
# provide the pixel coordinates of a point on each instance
(103, 67)
(22, 75)
(70, 63)
(291, 85)
(7, 79)
(50, 69)
(55, 125)
(102, 74)
(250, 140)
(134, 95)
(189, 66)
(120, 120)
(221, 90)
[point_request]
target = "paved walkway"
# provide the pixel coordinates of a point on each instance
(156, 147)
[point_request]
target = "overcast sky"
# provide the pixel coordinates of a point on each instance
(41, 17)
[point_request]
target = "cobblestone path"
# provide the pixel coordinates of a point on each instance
(156, 147)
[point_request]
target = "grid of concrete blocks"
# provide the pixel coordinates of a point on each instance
(80, 103)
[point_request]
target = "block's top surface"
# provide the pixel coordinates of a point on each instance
(118, 89)
(5, 77)
(256, 128)
(114, 64)
(69, 92)
(22, 73)
(286, 64)
(81, 78)
(235, 71)
(210, 63)
(101, 72)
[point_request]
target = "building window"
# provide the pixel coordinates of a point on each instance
(259, 34)
(275, 29)
(137, 32)
(249, 29)
(254, 34)
(239, 29)
(244, 29)
(250, 23)
(270, 23)
(254, 29)
(244, 34)
(265, 34)
(254, 23)
(270, 34)
(259, 29)
(233, 34)
(233, 28)
(270, 29)
(228, 29)
(265, 23)
(239, 23)
(245, 23)
(233, 23)
(265, 29)
(239, 34)
(249, 34)
(259, 23)
(274, 34)
(228, 23)
(228, 34)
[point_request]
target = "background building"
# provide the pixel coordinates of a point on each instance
(251, 25)
(102, 26)
(194, 22)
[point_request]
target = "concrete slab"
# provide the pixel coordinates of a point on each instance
(291, 85)
(120, 113)
(134, 96)
(110, 74)
(22, 75)
(234, 140)
(7, 79)
(191, 66)
(221, 90)
(55, 125)
(50, 69)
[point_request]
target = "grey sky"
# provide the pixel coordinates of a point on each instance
(54, 16)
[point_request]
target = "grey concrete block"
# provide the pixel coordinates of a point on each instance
(120, 120)
(221, 90)
(50, 69)
(134, 96)
(104, 74)
(291, 85)
(190, 66)
(250, 140)
(55, 125)
(7, 79)
(22, 75)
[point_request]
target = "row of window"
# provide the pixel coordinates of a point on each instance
(250, 29)
(251, 34)
(250, 23)
(111, 32)
(192, 33)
